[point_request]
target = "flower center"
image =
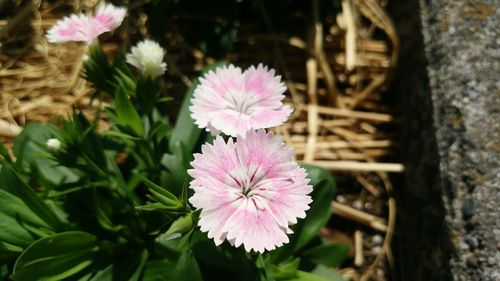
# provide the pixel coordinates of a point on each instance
(243, 102)
(246, 190)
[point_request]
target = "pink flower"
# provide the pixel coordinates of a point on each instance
(235, 102)
(249, 192)
(86, 28)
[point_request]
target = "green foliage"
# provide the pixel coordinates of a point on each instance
(327, 254)
(56, 257)
(128, 120)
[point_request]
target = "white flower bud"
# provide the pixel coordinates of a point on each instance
(54, 144)
(147, 56)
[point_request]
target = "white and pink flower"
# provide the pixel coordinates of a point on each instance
(234, 102)
(250, 192)
(86, 28)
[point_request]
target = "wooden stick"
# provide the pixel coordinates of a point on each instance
(326, 70)
(345, 144)
(347, 212)
(312, 117)
(358, 166)
(381, 117)
(373, 86)
(368, 127)
(312, 80)
(359, 258)
(350, 35)
(368, 185)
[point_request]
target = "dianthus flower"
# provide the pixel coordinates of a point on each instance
(249, 192)
(234, 102)
(147, 56)
(86, 28)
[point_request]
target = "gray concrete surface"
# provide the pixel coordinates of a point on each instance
(449, 95)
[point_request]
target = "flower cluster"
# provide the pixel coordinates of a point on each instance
(250, 191)
(147, 55)
(86, 28)
(247, 186)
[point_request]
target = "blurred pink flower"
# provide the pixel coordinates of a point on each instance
(249, 192)
(86, 28)
(235, 102)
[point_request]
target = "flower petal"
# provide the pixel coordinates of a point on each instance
(110, 16)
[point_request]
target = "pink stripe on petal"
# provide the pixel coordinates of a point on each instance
(109, 16)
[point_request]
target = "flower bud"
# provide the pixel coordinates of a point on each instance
(181, 225)
(147, 56)
(54, 144)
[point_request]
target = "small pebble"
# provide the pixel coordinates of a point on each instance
(463, 246)
(491, 261)
(377, 239)
(472, 262)
(472, 241)
(357, 204)
(376, 250)
(473, 95)
(467, 209)
(341, 199)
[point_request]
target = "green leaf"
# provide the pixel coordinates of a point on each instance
(320, 211)
(14, 233)
(103, 215)
(186, 132)
(131, 266)
(331, 255)
(14, 207)
(126, 113)
(12, 183)
(121, 135)
(177, 165)
(8, 250)
(306, 276)
(187, 268)
(286, 270)
(105, 274)
(163, 195)
(128, 83)
(31, 143)
(316, 217)
(51, 175)
(159, 270)
(149, 207)
(327, 273)
(207, 252)
(56, 257)
(265, 265)
(18, 223)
